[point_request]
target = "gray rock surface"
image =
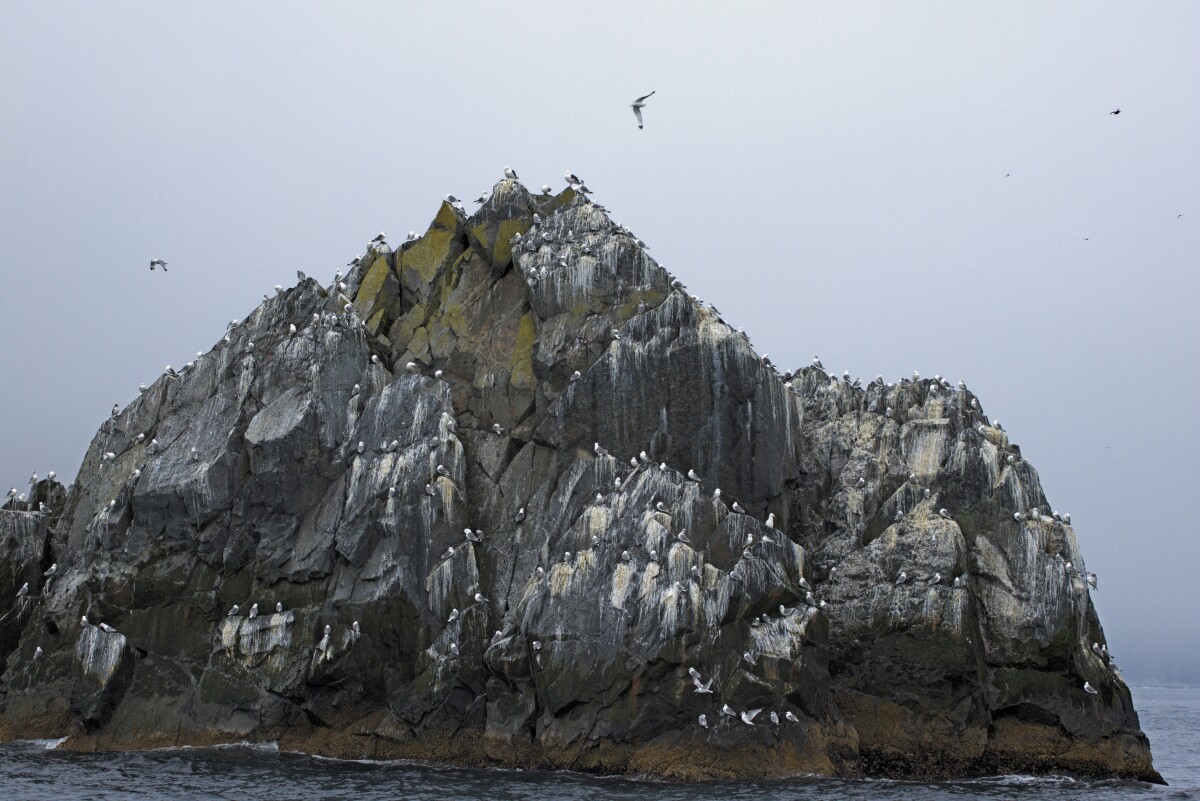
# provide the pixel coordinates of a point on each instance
(414, 477)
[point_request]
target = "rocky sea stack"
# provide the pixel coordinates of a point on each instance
(479, 474)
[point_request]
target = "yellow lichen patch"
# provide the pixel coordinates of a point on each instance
(560, 579)
(369, 289)
(427, 254)
(522, 352)
(402, 330)
(453, 318)
(502, 248)
(441, 341)
(622, 582)
(595, 520)
(649, 580)
(418, 345)
(376, 321)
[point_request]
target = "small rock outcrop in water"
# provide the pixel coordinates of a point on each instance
(482, 480)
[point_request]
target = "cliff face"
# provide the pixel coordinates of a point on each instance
(317, 470)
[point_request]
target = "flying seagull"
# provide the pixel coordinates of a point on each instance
(158, 263)
(1111, 113)
(637, 108)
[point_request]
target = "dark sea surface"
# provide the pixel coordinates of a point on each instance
(33, 771)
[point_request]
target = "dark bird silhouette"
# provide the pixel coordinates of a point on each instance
(1118, 111)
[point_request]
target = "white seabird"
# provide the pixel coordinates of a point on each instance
(702, 688)
(943, 512)
(791, 716)
(480, 599)
(453, 615)
(737, 508)
(1089, 689)
(37, 654)
(683, 537)
(107, 629)
(546, 189)
(509, 172)
(749, 715)
(253, 611)
(900, 579)
(575, 376)
(497, 428)
(51, 570)
(703, 721)
(637, 107)
(520, 514)
(412, 367)
(1092, 582)
(775, 717)
(749, 658)
(279, 607)
(771, 520)
(233, 610)
(21, 593)
(726, 709)
(158, 263)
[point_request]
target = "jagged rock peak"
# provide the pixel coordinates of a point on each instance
(517, 497)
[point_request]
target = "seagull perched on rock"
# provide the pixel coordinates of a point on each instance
(51, 570)
(900, 579)
(21, 593)
(107, 629)
(737, 508)
(253, 611)
(158, 263)
(637, 107)
(749, 715)
(520, 514)
(1089, 689)
(703, 721)
(509, 172)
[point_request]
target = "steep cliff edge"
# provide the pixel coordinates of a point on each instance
(480, 478)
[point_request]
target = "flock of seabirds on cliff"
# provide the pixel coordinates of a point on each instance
(18, 501)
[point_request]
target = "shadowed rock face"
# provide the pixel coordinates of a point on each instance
(464, 576)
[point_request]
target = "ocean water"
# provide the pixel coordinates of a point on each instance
(33, 771)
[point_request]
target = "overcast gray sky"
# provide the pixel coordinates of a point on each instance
(895, 187)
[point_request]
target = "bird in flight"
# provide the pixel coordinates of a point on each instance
(637, 108)
(1118, 111)
(158, 263)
